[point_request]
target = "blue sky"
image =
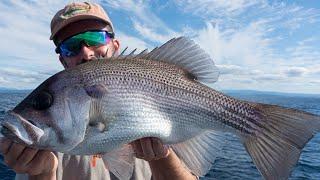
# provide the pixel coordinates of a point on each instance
(257, 44)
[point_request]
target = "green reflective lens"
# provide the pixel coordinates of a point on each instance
(72, 46)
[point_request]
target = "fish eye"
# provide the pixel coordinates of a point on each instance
(42, 101)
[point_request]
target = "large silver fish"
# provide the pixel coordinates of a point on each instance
(101, 106)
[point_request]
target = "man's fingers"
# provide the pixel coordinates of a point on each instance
(13, 154)
(137, 148)
(41, 163)
(150, 148)
(27, 155)
(147, 148)
(160, 151)
(5, 145)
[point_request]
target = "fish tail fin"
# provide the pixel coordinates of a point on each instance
(277, 147)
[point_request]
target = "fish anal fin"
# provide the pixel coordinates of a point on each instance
(199, 153)
(120, 162)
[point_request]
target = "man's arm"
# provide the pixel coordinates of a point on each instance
(164, 163)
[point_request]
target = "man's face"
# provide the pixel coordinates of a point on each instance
(87, 53)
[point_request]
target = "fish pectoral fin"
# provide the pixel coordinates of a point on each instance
(100, 113)
(120, 162)
(97, 116)
(95, 113)
(199, 153)
(96, 91)
(276, 148)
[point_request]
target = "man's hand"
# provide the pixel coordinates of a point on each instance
(27, 160)
(164, 163)
(150, 148)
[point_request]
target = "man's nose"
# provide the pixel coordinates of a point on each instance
(87, 53)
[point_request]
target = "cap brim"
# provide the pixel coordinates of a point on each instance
(75, 19)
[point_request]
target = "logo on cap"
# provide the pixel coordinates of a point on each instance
(75, 9)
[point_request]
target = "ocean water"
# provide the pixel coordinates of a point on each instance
(234, 162)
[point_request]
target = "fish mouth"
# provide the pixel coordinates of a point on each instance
(18, 129)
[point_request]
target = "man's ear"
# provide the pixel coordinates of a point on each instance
(63, 62)
(116, 44)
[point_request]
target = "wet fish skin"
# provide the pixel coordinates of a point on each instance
(100, 106)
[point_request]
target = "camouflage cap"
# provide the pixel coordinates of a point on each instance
(75, 12)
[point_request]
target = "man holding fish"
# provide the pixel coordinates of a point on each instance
(101, 107)
(82, 32)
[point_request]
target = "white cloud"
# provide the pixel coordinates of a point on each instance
(293, 17)
(269, 77)
(230, 69)
(145, 21)
(140, 10)
(236, 70)
(132, 42)
(15, 77)
(317, 71)
(151, 34)
(296, 71)
(28, 54)
(21, 78)
(26, 32)
(315, 82)
(236, 13)
(256, 44)
(248, 50)
(3, 80)
(245, 47)
(304, 53)
(217, 7)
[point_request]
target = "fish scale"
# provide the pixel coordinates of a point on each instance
(195, 91)
(102, 106)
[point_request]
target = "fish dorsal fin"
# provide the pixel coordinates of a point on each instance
(122, 53)
(188, 55)
(199, 153)
(142, 53)
(132, 52)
